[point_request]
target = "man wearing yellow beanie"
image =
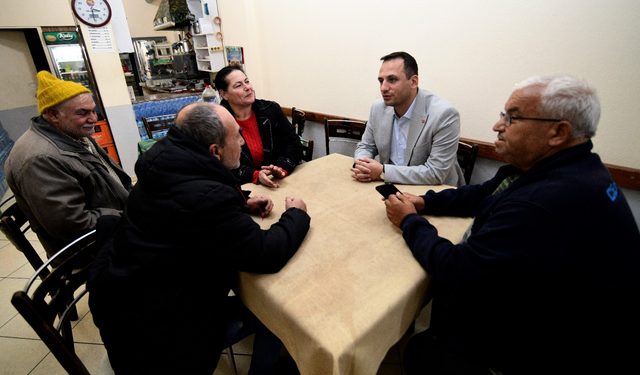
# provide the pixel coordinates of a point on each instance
(61, 178)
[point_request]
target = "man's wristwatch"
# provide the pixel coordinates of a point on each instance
(382, 174)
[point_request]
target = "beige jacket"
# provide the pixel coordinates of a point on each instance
(62, 187)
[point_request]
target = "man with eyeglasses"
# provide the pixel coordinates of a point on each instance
(547, 278)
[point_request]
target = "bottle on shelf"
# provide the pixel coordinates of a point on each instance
(210, 95)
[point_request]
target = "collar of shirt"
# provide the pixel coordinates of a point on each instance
(399, 138)
(84, 142)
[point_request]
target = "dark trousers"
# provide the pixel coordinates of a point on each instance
(422, 357)
(266, 345)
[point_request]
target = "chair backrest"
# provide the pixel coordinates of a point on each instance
(14, 224)
(341, 130)
(298, 119)
(307, 149)
(467, 159)
(157, 126)
(48, 307)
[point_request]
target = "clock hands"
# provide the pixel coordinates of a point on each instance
(93, 15)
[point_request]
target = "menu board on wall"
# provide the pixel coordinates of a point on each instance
(100, 39)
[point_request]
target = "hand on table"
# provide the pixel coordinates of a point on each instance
(398, 206)
(366, 169)
(295, 202)
(260, 204)
(276, 171)
(418, 201)
(263, 178)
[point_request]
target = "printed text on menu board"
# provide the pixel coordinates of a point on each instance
(100, 39)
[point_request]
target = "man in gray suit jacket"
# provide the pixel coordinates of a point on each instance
(414, 131)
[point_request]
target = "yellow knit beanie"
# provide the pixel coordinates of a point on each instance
(53, 91)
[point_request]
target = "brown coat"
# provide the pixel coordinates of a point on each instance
(62, 187)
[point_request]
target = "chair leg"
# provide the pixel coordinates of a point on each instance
(232, 360)
(73, 314)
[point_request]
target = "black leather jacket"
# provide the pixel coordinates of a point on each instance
(280, 142)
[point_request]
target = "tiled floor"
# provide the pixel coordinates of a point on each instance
(22, 352)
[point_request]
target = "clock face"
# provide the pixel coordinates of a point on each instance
(92, 12)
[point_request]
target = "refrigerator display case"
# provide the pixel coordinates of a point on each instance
(67, 57)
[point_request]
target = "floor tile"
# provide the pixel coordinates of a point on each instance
(10, 259)
(8, 286)
(225, 368)
(20, 356)
(18, 327)
(93, 356)
(24, 272)
(244, 346)
(86, 332)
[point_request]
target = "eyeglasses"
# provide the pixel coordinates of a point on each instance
(508, 118)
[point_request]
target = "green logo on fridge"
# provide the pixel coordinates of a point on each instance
(61, 37)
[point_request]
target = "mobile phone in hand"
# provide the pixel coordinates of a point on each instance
(387, 189)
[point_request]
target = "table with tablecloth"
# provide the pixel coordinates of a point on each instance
(353, 288)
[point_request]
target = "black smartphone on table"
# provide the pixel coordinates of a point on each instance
(387, 189)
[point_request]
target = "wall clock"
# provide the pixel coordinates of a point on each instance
(94, 13)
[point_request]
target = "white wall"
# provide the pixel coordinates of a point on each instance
(14, 52)
(324, 55)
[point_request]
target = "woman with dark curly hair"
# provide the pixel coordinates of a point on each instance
(272, 147)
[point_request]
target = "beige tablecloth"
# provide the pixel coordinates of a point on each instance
(353, 288)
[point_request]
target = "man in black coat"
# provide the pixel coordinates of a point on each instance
(547, 281)
(159, 288)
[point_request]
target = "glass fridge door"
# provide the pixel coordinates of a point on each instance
(69, 63)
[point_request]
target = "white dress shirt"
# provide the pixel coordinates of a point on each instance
(399, 138)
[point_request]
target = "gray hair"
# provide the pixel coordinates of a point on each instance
(60, 108)
(202, 124)
(568, 98)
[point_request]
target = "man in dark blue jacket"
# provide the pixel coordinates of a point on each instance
(159, 289)
(547, 278)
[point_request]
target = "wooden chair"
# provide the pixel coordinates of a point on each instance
(307, 149)
(48, 306)
(298, 119)
(343, 130)
(158, 124)
(467, 159)
(14, 224)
